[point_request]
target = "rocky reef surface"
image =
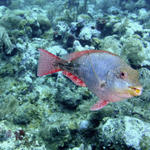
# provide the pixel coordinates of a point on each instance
(51, 113)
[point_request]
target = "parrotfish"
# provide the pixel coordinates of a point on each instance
(105, 74)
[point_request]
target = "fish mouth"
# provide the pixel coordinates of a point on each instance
(135, 91)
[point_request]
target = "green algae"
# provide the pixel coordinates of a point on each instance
(110, 43)
(124, 132)
(7, 107)
(19, 23)
(133, 49)
(25, 114)
(38, 110)
(145, 143)
(97, 43)
(5, 43)
(50, 109)
(44, 22)
(57, 134)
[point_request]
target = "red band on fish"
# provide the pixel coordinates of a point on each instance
(99, 105)
(76, 55)
(74, 79)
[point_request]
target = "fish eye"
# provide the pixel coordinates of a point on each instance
(123, 75)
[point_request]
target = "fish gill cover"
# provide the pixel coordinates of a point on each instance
(51, 112)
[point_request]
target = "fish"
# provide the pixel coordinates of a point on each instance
(108, 76)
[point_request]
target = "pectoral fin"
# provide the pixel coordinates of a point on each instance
(99, 105)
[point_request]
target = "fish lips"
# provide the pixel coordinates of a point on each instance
(135, 90)
(129, 92)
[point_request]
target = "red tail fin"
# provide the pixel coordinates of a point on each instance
(48, 63)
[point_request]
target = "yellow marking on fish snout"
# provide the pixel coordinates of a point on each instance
(135, 91)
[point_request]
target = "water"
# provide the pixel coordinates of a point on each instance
(46, 113)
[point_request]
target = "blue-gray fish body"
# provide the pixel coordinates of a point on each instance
(104, 73)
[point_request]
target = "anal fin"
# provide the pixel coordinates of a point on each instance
(74, 79)
(99, 105)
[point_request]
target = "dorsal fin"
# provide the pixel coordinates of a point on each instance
(76, 55)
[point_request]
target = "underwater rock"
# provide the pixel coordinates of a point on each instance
(125, 131)
(133, 5)
(84, 125)
(134, 50)
(96, 42)
(111, 44)
(143, 15)
(76, 28)
(57, 36)
(130, 5)
(24, 114)
(104, 5)
(3, 11)
(88, 32)
(133, 27)
(7, 137)
(11, 20)
(82, 147)
(20, 22)
(53, 112)
(100, 24)
(62, 33)
(5, 2)
(105, 25)
(141, 4)
(70, 40)
(44, 23)
(57, 50)
(84, 18)
(55, 131)
(71, 96)
(12, 137)
(113, 10)
(62, 27)
(142, 104)
(77, 46)
(145, 143)
(5, 42)
(121, 26)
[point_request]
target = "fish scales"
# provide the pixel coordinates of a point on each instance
(104, 73)
(96, 75)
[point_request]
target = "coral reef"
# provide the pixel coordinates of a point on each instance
(126, 130)
(5, 44)
(50, 112)
(5, 2)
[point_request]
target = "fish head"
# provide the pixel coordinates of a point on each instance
(124, 82)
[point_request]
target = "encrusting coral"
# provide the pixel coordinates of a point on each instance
(51, 112)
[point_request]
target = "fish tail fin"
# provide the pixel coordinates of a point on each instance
(48, 63)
